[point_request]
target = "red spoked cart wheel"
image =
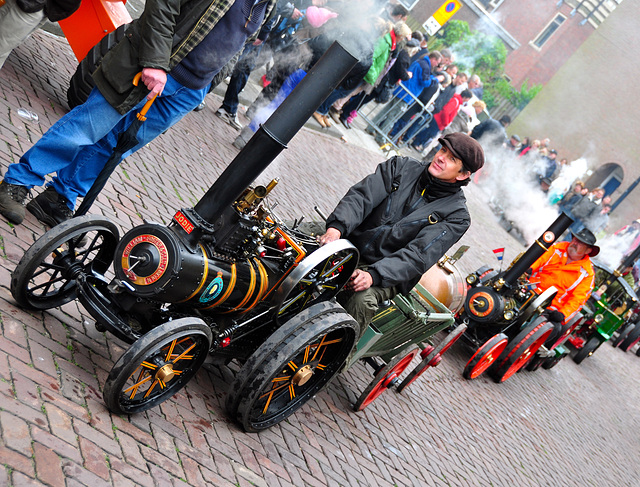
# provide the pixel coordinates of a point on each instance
(485, 356)
(386, 378)
(431, 357)
(520, 349)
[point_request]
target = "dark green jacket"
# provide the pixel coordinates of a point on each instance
(164, 34)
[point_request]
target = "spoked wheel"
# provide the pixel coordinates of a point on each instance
(317, 278)
(292, 366)
(520, 350)
(157, 365)
(485, 356)
(623, 333)
(386, 378)
(432, 357)
(46, 275)
(632, 338)
(587, 350)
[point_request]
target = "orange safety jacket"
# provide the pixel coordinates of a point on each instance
(573, 281)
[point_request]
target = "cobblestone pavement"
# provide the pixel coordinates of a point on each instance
(572, 425)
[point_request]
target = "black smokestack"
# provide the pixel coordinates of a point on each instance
(539, 247)
(272, 137)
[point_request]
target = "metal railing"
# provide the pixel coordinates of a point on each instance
(381, 120)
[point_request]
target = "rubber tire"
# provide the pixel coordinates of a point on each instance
(48, 243)
(81, 83)
(551, 362)
(277, 351)
(533, 335)
(632, 338)
(535, 363)
(497, 342)
(591, 346)
(144, 348)
(622, 334)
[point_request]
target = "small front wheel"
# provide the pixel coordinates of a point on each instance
(588, 349)
(157, 366)
(485, 356)
(46, 275)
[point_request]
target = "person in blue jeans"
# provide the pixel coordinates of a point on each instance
(171, 45)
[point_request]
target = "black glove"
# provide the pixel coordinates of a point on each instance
(554, 315)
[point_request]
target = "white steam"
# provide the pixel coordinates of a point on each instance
(511, 183)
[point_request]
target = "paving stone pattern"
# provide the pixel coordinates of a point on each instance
(572, 425)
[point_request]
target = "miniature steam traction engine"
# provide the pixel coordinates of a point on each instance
(504, 313)
(224, 280)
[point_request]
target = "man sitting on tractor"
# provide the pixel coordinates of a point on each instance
(567, 267)
(402, 219)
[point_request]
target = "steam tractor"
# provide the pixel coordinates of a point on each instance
(506, 325)
(612, 306)
(227, 280)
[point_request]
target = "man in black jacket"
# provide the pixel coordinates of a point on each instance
(402, 219)
(20, 18)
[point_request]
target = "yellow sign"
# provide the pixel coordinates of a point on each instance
(441, 16)
(446, 11)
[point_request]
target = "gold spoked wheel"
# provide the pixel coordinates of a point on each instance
(157, 365)
(296, 362)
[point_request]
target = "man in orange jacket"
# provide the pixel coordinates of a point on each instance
(567, 267)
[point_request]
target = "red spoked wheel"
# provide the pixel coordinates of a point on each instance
(520, 350)
(431, 357)
(386, 378)
(485, 356)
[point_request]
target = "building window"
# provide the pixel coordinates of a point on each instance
(409, 4)
(548, 31)
(491, 5)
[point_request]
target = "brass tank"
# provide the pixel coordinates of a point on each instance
(446, 283)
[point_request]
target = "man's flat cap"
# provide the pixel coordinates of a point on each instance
(466, 149)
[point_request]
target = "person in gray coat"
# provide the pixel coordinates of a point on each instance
(402, 219)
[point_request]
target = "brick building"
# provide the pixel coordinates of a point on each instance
(541, 35)
(588, 109)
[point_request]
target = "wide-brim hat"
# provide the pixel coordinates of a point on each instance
(587, 237)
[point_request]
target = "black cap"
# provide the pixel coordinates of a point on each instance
(468, 150)
(587, 237)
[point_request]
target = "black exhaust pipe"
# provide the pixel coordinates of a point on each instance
(539, 247)
(274, 135)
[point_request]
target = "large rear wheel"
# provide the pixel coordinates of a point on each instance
(296, 362)
(317, 278)
(632, 338)
(520, 350)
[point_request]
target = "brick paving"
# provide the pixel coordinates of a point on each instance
(572, 425)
